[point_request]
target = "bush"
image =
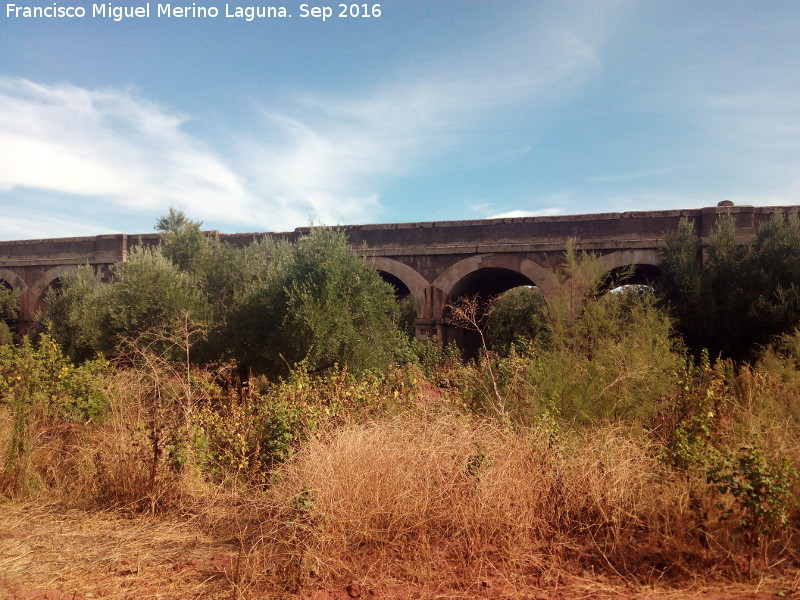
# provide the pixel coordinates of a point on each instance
(318, 303)
(516, 317)
(62, 391)
(250, 435)
(740, 297)
(602, 356)
(9, 311)
(147, 294)
(40, 387)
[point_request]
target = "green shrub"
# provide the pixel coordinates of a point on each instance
(251, 434)
(63, 391)
(314, 302)
(516, 317)
(40, 386)
(147, 294)
(741, 296)
(701, 420)
(9, 311)
(613, 359)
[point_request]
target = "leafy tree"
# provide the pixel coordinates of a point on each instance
(518, 315)
(182, 241)
(74, 313)
(338, 308)
(9, 310)
(251, 332)
(268, 306)
(316, 301)
(147, 293)
(740, 296)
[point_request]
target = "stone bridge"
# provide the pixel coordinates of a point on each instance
(434, 262)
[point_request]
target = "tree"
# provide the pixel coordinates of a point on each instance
(516, 316)
(73, 314)
(9, 310)
(147, 292)
(741, 296)
(182, 241)
(268, 306)
(316, 301)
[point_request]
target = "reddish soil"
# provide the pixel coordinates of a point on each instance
(52, 554)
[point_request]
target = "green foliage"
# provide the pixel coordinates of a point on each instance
(73, 315)
(787, 346)
(315, 302)
(60, 390)
(691, 412)
(761, 487)
(741, 296)
(406, 315)
(516, 317)
(251, 434)
(39, 385)
(438, 364)
(600, 355)
(182, 241)
(147, 293)
(268, 306)
(339, 311)
(607, 355)
(9, 304)
(9, 311)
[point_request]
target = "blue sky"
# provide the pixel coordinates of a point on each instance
(436, 110)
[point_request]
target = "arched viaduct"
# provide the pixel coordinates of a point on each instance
(434, 262)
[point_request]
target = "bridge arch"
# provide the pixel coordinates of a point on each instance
(624, 258)
(15, 281)
(646, 264)
(485, 276)
(411, 279)
(518, 270)
(46, 280)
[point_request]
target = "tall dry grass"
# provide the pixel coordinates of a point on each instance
(429, 496)
(451, 498)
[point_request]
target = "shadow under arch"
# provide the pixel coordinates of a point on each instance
(404, 278)
(14, 281)
(631, 267)
(535, 274)
(485, 277)
(49, 279)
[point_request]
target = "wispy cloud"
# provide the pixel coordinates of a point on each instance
(328, 155)
(544, 212)
(33, 224)
(321, 156)
(111, 145)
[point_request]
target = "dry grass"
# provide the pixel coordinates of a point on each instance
(95, 554)
(424, 504)
(453, 499)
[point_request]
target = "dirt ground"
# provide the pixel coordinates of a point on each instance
(51, 554)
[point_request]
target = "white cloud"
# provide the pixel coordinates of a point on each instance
(328, 154)
(39, 226)
(111, 145)
(513, 214)
(321, 156)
